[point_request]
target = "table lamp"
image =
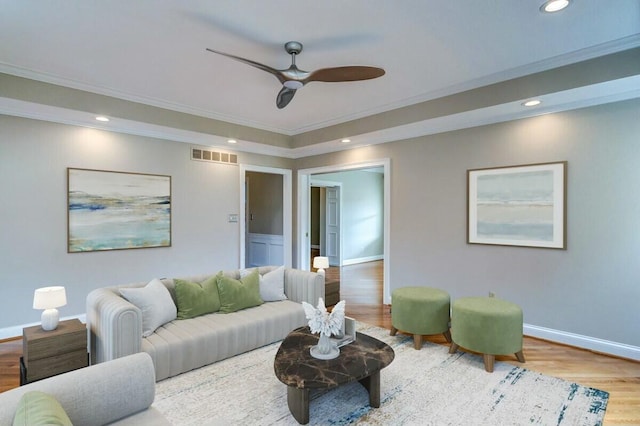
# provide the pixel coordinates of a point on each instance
(49, 298)
(320, 262)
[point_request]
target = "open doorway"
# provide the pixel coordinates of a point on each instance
(357, 225)
(266, 216)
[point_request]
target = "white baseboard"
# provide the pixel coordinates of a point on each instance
(357, 260)
(592, 343)
(16, 331)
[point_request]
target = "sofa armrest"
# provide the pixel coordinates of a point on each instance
(303, 286)
(115, 326)
(95, 395)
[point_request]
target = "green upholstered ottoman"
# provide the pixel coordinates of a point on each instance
(420, 311)
(487, 325)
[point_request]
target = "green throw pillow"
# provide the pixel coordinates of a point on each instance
(238, 294)
(38, 408)
(195, 299)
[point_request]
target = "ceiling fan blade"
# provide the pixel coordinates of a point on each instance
(350, 73)
(255, 64)
(293, 78)
(284, 97)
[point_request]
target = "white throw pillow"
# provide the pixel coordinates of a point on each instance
(155, 302)
(271, 284)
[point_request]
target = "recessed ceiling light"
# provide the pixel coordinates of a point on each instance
(551, 6)
(532, 102)
(102, 118)
(345, 140)
(232, 141)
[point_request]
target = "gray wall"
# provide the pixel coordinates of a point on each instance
(34, 156)
(362, 212)
(590, 289)
(593, 287)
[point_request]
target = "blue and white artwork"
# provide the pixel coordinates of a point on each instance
(521, 205)
(116, 210)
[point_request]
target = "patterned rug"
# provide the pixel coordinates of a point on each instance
(426, 387)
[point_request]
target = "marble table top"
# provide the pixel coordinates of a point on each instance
(294, 365)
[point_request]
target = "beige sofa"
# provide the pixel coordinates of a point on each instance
(115, 325)
(118, 392)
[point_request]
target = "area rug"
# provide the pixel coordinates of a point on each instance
(425, 387)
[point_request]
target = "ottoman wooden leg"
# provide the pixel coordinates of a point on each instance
(453, 348)
(520, 356)
(488, 362)
(417, 341)
(393, 331)
(447, 335)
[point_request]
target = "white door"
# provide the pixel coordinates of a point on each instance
(332, 230)
(279, 251)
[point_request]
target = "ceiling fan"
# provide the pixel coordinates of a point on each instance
(294, 78)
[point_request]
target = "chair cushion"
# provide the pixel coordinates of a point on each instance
(238, 294)
(38, 408)
(155, 302)
(271, 284)
(195, 299)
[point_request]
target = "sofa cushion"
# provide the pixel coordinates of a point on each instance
(238, 294)
(271, 284)
(155, 302)
(184, 345)
(195, 299)
(38, 408)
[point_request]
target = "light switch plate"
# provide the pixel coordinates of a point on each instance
(233, 218)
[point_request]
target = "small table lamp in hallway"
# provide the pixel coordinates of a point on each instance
(320, 262)
(49, 298)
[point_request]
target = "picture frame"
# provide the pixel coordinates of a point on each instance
(111, 210)
(521, 205)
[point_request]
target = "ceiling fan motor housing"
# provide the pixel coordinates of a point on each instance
(293, 47)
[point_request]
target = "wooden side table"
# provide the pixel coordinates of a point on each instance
(331, 292)
(47, 353)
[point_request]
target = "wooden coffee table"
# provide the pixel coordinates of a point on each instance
(361, 360)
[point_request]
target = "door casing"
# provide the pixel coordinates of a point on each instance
(287, 209)
(303, 240)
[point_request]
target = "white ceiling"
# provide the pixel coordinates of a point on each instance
(153, 51)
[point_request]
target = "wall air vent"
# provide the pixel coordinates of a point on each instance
(199, 154)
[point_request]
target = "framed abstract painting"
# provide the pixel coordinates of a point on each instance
(518, 205)
(117, 210)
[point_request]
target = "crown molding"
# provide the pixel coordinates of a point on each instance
(521, 71)
(18, 108)
(582, 97)
(132, 97)
(601, 93)
(557, 61)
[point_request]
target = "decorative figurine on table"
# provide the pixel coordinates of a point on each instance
(325, 323)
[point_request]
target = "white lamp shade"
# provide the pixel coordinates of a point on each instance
(320, 262)
(49, 297)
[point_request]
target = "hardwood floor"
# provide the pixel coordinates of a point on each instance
(361, 287)
(10, 353)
